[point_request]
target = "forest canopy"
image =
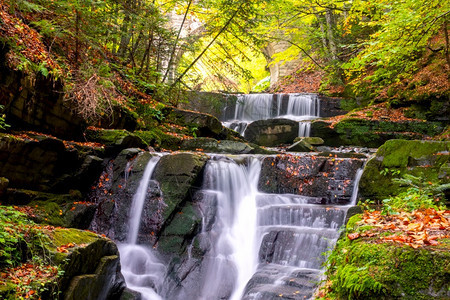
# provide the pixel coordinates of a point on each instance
(370, 50)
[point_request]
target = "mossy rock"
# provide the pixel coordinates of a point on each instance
(313, 140)
(301, 146)
(178, 175)
(159, 139)
(206, 125)
(67, 210)
(396, 158)
(214, 146)
(183, 227)
(115, 140)
(368, 133)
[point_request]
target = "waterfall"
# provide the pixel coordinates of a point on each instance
(233, 257)
(354, 197)
(304, 129)
(254, 107)
(257, 245)
(142, 270)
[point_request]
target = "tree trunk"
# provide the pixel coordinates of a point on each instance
(330, 35)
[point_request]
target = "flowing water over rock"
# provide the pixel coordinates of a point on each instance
(254, 242)
(254, 107)
(142, 270)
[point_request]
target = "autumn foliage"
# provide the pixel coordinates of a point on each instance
(420, 228)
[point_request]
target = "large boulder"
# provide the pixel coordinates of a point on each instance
(179, 176)
(428, 161)
(204, 125)
(115, 140)
(272, 132)
(91, 267)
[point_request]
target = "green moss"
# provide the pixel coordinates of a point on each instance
(8, 291)
(361, 132)
(158, 139)
(360, 269)
(397, 153)
(351, 223)
(63, 236)
(399, 158)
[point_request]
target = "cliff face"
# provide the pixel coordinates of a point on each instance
(37, 102)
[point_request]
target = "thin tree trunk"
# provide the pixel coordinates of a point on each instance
(322, 29)
(207, 47)
(169, 65)
(330, 35)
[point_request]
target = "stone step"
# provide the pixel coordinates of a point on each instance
(305, 215)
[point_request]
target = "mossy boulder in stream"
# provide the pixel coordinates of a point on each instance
(272, 132)
(426, 161)
(179, 175)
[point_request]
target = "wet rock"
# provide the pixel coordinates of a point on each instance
(215, 146)
(315, 141)
(272, 132)
(301, 146)
(114, 194)
(421, 159)
(329, 178)
(295, 284)
(179, 175)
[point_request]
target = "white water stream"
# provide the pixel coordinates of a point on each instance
(142, 270)
(235, 246)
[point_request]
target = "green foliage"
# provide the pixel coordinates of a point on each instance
(410, 200)
(398, 32)
(15, 227)
(3, 125)
(24, 245)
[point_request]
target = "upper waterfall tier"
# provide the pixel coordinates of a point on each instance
(254, 107)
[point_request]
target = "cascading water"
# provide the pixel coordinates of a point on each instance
(232, 260)
(257, 245)
(253, 107)
(142, 270)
